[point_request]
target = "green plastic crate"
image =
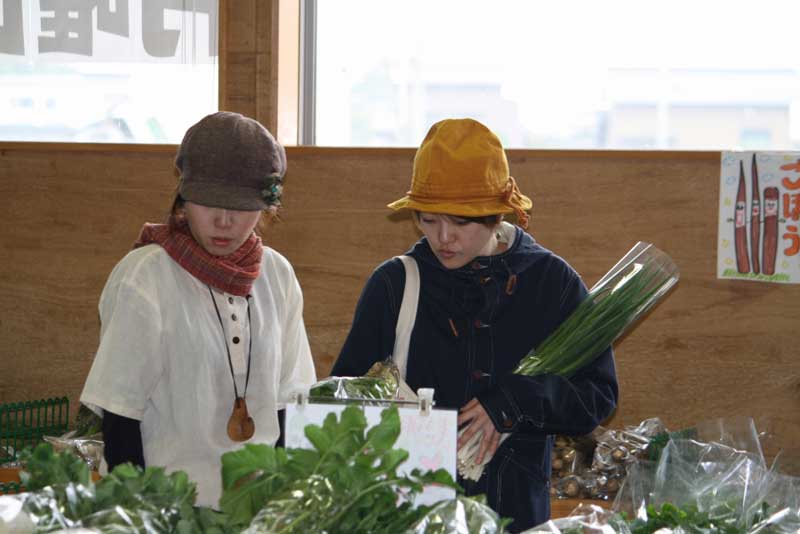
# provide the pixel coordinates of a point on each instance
(22, 424)
(7, 488)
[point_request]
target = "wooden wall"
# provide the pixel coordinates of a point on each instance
(248, 65)
(713, 348)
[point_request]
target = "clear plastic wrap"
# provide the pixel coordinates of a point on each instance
(585, 519)
(595, 466)
(382, 382)
(626, 446)
(297, 510)
(700, 487)
(75, 506)
(58, 508)
(127, 501)
(462, 515)
(89, 449)
(13, 517)
(722, 461)
(569, 476)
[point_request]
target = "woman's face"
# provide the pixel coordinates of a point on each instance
(220, 231)
(456, 241)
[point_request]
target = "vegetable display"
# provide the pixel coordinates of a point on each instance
(348, 483)
(126, 501)
(722, 486)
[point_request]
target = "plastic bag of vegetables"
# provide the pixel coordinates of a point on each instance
(695, 487)
(462, 515)
(382, 382)
(613, 304)
(128, 500)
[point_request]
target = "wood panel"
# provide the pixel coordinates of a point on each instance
(248, 59)
(713, 348)
(564, 507)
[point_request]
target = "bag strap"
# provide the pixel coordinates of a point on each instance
(407, 316)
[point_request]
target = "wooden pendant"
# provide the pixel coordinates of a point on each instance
(240, 425)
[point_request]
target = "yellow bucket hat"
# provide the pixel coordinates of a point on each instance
(461, 169)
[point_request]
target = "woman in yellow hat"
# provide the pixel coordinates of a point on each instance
(488, 293)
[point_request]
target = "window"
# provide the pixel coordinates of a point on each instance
(106, 70)
(674, 74)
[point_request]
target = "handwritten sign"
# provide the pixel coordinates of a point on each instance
(759, 217)
(429, 439)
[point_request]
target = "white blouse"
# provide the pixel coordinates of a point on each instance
(162, 359)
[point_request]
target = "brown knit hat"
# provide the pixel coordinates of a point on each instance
(231, 161)
(461, 169)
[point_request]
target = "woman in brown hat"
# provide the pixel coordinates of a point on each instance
(488, 293)
(202, 337)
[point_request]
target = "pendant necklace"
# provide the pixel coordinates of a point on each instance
(240, 425)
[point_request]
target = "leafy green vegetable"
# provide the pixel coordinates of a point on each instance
(358, 387)
(688, 518)
(44, 467)
(87, 423)
(127, 500)
(347, 483)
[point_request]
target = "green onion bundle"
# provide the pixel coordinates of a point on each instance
(621, 297)
(633, 286)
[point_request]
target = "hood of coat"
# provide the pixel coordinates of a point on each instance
(521, 254)
(477, 287)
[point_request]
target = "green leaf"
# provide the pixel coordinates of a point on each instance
(318, 438)
(392, 459)
(44, 467)
(303, 462)
(352, 420)
(381, 437)
(239, 464)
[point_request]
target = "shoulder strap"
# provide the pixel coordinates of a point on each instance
(408, 314)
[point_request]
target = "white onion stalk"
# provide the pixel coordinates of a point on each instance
(468, 454)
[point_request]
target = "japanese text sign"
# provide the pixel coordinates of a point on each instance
(110, 30)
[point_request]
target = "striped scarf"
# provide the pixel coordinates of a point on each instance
(234, 273)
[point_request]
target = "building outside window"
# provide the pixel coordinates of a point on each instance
(624, 74)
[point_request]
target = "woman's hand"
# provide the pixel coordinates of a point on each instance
(474, 414)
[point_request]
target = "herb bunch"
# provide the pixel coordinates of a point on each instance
(347, 483)
(689, 518)
(129, 500)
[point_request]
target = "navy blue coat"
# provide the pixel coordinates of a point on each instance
(473, 326)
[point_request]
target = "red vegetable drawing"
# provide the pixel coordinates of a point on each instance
(755, 217)
(739, 225)
(770, 249)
